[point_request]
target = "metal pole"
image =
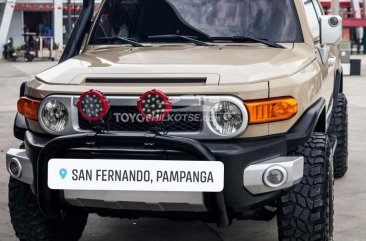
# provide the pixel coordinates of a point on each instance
(5, 24)
(357, 10)
(335, 7)
(69, 20)
(58, 25)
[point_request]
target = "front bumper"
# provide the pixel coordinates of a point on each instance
(253, 179)
(238, 156)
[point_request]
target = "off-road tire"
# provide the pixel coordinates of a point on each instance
(31, 225)
(305, 211)
(339, 128)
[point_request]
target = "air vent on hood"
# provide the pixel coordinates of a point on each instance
(147, 81)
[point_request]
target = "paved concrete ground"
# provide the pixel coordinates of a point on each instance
(350, 203)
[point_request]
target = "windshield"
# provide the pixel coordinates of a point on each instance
(139, 20)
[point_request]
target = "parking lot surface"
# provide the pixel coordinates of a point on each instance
(350, 191)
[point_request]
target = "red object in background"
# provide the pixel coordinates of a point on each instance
(354, 22)
(346, 34)
(341, 4)
(154, 106)
(46, 7)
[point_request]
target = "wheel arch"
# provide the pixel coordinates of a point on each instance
(313, 119)
(321, 125)
(338, 82)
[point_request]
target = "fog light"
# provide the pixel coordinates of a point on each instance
(14, 168)
(275, 176)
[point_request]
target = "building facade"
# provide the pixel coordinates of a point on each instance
(52, 18)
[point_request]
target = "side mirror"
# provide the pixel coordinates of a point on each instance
(330, 29)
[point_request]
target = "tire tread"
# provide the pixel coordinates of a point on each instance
(302, 210)
(339, 128)
(31, 225)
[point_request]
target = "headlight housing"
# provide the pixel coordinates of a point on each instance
(53, 116)
(226, 118)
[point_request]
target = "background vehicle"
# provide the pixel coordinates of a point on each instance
(271, 126)
(9, 52)
(28, 56)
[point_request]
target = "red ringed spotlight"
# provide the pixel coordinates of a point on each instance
(154, 106)
(93, 105)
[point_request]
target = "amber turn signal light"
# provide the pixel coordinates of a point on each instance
(271, 110)
(28, 107)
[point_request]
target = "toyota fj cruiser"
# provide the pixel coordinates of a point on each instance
(210, 110)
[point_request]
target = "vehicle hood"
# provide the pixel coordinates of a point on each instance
(221, 65)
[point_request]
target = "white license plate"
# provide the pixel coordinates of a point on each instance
(135, 175)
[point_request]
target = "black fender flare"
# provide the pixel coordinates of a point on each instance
(338, 83)
(306, 125)
(20, 127)
(20, 123)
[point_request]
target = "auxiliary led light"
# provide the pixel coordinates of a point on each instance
(154, 106)
(93, 105)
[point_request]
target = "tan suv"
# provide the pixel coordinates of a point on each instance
(208, 110)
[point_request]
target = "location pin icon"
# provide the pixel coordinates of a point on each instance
(63, 173)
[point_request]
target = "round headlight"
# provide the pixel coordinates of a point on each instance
(226, 118)
(54, 116)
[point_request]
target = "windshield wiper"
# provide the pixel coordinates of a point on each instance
(258, 40)
(177, 36)
(251, 39)
(124, 40)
